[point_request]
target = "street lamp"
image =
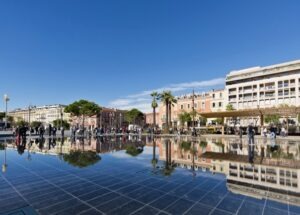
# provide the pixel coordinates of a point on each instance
(4, 166)
(120, 120)
(6, 99)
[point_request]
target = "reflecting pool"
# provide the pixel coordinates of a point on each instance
(142, 175)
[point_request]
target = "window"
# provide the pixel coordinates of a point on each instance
(188, 106)
(213, 104)
(221, 95)
(220, 104)
(213, 95)
(181, 107)
(203, 105)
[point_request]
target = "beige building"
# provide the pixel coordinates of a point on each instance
(45, 114)
(203, 102)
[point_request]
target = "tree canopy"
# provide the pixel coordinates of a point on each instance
(155, 97)
(184, 117)
(65, 124)
(83, 108)
(272, 119)
(229, 107)
(2, 115)
(81, 159)
(35, 124)
(133, 115)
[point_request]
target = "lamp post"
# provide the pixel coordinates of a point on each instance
(29, 115)
(4, 166)
(120, 120)
(61, 118)
(6, 99)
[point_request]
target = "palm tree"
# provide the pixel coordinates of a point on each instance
(172, 101)
(155, 97)
(164, 97)
(168, 99)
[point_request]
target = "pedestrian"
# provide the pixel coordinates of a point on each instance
(54, 131)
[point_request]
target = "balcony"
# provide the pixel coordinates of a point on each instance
(269, 95)
(270, 87)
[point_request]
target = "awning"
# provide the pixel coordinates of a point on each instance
(281, 111)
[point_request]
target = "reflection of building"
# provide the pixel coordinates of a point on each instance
(275, 170)
(107, 118)
(45, 114)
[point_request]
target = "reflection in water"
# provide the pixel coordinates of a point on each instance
(272, 165)
(133, 150)
(81, 158)
(250, 169)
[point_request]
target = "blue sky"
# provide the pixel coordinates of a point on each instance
(114, 52)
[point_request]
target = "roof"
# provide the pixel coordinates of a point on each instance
(282, 111)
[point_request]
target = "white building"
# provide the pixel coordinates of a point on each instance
(45, 114)
(264, 86)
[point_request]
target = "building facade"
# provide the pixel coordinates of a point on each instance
(44, 114)
(108, 118)
(202, 102)
(264, 86)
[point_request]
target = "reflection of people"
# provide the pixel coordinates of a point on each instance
(21, 147)
(251, 133)
(251, 153)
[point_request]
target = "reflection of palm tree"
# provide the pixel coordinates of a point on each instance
(154, 160)
(81, 158)
(193, 151)
(168, 169)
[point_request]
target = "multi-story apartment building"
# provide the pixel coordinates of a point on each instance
(45, 114)
(264, 86)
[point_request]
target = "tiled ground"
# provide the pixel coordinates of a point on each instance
(120, 185)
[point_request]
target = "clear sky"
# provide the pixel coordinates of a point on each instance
(114, 52)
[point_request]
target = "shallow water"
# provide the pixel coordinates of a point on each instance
(144, 176)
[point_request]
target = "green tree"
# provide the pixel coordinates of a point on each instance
(184, 117)
(274, 119)
(64, 123)
(35, 124)
(203, 121)
(229, 107)
(21, 123)
(219, 121)
(154, 105)
(81, 158)
(83, 108)
(133, 115)
(2, 115)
